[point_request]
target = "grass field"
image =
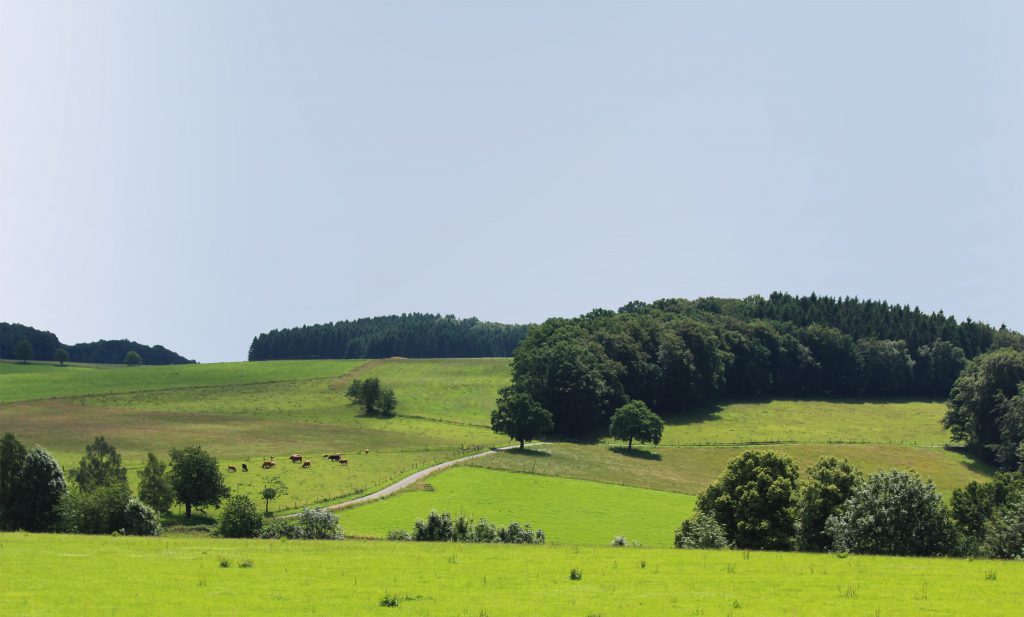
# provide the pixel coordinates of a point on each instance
(93, 576)
(689, 469)
(569, 511)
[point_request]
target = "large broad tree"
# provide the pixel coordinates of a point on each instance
(373, 397)
(12, 459)
(520, 417)
(755, 500)
(101, 466)
(635, 421)
(61, 355)
(830, 482)
(196, 478)
(38, 489)
(979, 400)
(132, 358)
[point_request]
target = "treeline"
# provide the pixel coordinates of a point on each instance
(413, 335)
(677, 354)
(44, 346)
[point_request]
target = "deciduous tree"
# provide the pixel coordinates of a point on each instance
(635, 421)
(196, 478)
(520, 417)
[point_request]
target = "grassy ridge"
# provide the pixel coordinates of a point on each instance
(182, 576)
(36, 385)
(569, 511)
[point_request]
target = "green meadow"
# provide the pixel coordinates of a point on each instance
(569, 511)
(94, 576)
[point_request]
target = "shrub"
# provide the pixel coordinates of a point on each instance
(484, 531)
(620, 541)
(388, 600)
(281, 528)
(973, 506)
(246, 563)
(701, 531)
(319, 524)
(575, 574)
(1004, 533)
(240, 518)
(754, 500)
(440, 527)
(893, 513)
(520, 534)
(100, 511)
(399, 535)
(12, 458)
(437, 528)
(830, 482)
(140, 519)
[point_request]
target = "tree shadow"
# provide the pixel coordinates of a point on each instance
(646, 455)
(974, 463)
(528, 452)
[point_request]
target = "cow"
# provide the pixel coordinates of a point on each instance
(295, 458)
(268, 464)
(307, 464)
(245, 467)
(232, 468)
(366, 451)
(332, 457)
(343, 461)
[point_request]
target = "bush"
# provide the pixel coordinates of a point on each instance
(319, 524)
(754, 500)
(484, 531)
(437, 528)
(520, 534)
(440, 527)
(974, 505)
(101, 511)
(1004, 533)
(399, 535)
(240, 518)
(140, 519)
(620, 541)
(893, 513)
(575, 574)
(701, 531)
(281, 528)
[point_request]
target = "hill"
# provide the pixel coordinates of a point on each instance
(45, 344)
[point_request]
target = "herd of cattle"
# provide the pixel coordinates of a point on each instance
(296, 458)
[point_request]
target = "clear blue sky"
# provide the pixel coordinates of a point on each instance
(194, 173)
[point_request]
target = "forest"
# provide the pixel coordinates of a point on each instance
(44, 346)
(676, 354)
(412, 335)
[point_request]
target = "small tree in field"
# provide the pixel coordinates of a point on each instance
(635, 421)
(23, 351)
(520, 417)
(155, 488)
(132, 358)
(101, 466)
(272, 489)
(61, 355)
(830, 482)
(372, 397)
(196, 478)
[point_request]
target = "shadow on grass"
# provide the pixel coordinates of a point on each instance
(646, 455)
(975, 464)
(527, 452)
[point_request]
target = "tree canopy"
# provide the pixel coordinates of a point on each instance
(520, 417)
(196, 478)
(101, 466)
(986, 406)
(635, 421)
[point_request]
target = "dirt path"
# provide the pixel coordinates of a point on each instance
(407, 481)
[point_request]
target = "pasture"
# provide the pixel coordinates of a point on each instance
(183, 576)
(569, 511)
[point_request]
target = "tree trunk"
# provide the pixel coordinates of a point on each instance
(188, 510)
(522, 444)
(630, 446)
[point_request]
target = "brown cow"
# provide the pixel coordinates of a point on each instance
(332, 457)
(307, 464)
(268, 464)
(343, 461)
(295, 458)
(231, 468)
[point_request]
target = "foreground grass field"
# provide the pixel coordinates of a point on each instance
(569, 511)
(82, 575)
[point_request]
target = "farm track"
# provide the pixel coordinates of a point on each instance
(409, 480)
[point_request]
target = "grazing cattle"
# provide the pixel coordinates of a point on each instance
(343, 461)
(332, 457)
(296, 458)
(307, 464)
(231, 468)
(366, 451)
(268, 464)
(245, 467)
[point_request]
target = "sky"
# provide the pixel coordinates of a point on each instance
(192, 173)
